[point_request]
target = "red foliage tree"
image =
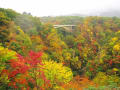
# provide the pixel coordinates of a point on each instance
(20, 71)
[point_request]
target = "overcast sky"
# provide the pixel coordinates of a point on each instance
(60, 7)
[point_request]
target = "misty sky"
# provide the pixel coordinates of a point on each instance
(60, 7)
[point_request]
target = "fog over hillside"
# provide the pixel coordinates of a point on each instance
(110, 13)
(107, 13)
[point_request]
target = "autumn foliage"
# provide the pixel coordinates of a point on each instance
(34, 55)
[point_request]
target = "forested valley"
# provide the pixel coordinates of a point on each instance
(34, 55)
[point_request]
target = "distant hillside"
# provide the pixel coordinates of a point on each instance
(77, 18)
(62, 19)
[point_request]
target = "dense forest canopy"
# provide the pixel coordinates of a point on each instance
(36, 56)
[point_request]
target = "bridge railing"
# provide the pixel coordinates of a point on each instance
(64, 25)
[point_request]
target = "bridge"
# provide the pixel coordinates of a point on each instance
(70, 27)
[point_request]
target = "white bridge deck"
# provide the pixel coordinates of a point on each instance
(63, 25)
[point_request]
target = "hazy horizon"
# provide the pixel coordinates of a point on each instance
(61, 7)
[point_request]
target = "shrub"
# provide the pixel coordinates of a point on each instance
(103, 79)
(57, 73)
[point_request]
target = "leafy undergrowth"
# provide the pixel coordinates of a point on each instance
(78, 83)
